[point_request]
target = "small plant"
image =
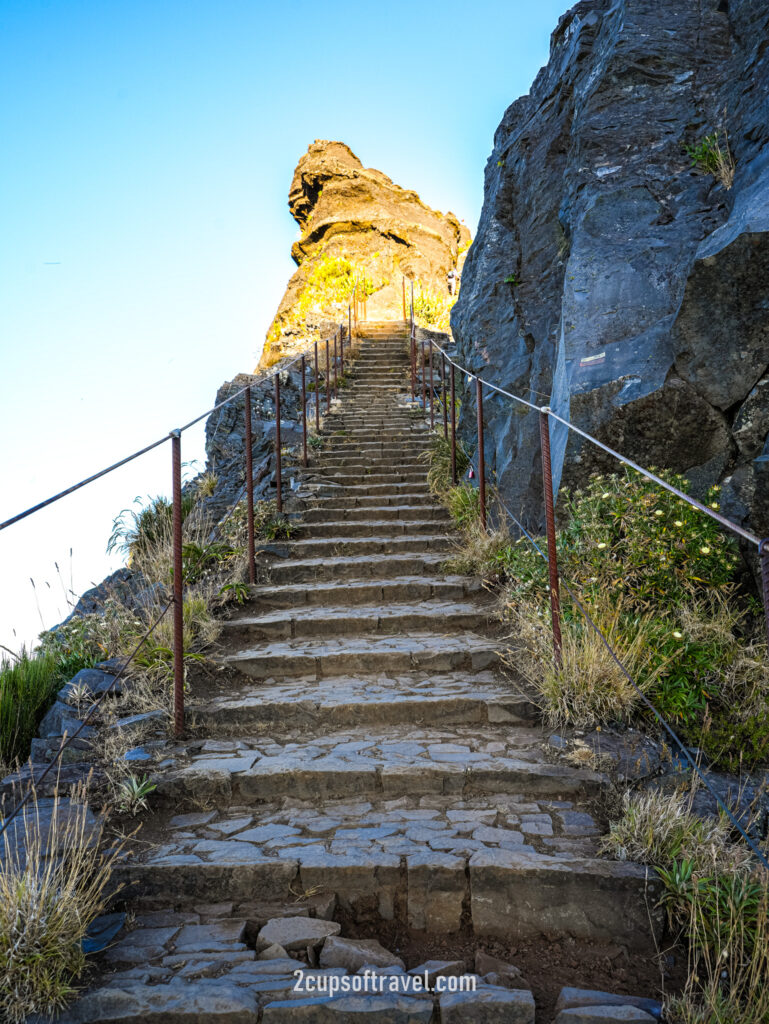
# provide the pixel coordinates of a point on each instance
(238, 592)
(132, 793)
(315, 441)
(512, 279)
(199, 559)
(207, 484)
(711, 157)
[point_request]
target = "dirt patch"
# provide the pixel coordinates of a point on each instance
(547, 966)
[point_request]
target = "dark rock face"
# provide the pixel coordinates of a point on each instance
(641, 311)
(226, 440)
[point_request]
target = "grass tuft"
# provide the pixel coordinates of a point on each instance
(53, 883)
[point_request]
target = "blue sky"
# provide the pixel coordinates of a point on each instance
(147, 150)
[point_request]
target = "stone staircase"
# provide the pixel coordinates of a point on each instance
(363, 756)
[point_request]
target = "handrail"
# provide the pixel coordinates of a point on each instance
(545, 415)
(331, 382)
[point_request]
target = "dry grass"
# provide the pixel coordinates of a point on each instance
(53, 883)
(477, 550)
(657, 828)
(589, 688)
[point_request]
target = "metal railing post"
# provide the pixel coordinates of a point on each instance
(336, 365)
(304, 411)
(763, 554)
(552, 554)
(443, 397)
(328, 377)
(453, 427)
(178, 609)
(403, 283)
(349, 323)
(278, 481)
(481, 455)
(250, 492)
(317, 391)
(432, 389)
(424, 376)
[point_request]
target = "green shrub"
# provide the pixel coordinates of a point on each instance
(138, 531)
(269, 524)
(711, 157)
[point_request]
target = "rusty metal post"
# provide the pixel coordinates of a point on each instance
(552, 554)
(481, 455)
(453, 427)
(178, 608)
(317, 391)
(432, 389)
(304, 411)
(403, 283)
(278, 482)
(328, 377)
(424, 376)
(413, 344)
(443, 397)
(336, 365)
(250, 492)
(763, 554)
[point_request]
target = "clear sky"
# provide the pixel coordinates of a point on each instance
(147, 150)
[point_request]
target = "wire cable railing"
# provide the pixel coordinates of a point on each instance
(325, 381)
(427, 399)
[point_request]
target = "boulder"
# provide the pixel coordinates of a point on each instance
(577, 998)
(296, 932)
(499, 972)
(352, 954)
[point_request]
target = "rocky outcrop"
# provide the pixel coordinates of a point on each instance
(355, 223)
(639, 301)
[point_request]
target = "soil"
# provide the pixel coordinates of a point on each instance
(547, 966)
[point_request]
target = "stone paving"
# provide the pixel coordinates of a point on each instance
(364, 758)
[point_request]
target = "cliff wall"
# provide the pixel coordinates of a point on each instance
(639, 305)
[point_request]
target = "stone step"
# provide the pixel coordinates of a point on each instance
(332, 461)
(344, 500)
(371, 474)
(377, 514)
(401, 490)
(370, 528)
(393, 443)
(331, 547)
(367, 653)
(463, 762)
(397, 588)
(352, 567)
(408, 698)
(335, 621)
